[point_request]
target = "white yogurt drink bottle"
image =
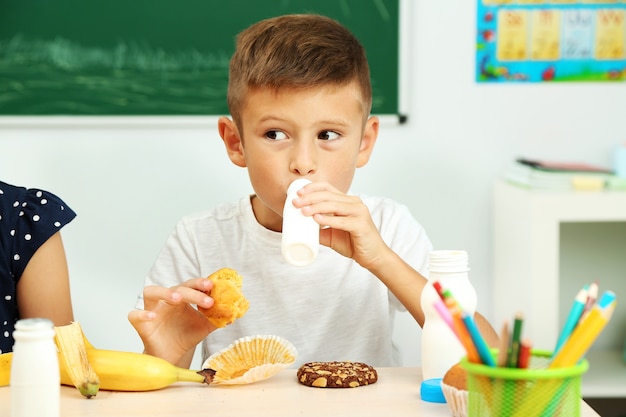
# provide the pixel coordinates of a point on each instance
(301, 234)
(35, 381)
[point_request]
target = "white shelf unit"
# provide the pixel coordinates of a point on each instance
(526, 260)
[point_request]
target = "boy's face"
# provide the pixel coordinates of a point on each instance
(315, 133)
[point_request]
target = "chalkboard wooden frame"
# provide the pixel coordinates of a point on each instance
(56, 63)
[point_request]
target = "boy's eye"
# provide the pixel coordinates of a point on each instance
(275, 135)
(328, 135)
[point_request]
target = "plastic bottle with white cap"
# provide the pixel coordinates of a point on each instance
(441, 348)
(301, 234)
(35, 381)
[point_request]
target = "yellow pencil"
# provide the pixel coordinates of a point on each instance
(585, 333)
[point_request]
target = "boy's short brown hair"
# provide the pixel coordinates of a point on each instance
(296, 51)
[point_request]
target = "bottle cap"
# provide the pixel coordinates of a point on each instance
(35, 323)
(448, 261)
(298, 254)
(431, 391)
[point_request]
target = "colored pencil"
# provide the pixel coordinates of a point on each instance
(445, 314)
(504, 344)
(446, 294)
(461, 331)
(586, 332)
(524, 354)
(573, 318)
(592, 296)
(515, 341)
(464, 337)
(479, 342)
(437, 286)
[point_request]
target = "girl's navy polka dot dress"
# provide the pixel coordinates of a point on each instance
(28, 217)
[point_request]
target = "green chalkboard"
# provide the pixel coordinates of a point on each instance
(158, 57)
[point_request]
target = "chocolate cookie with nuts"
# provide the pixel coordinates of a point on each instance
(336, 374)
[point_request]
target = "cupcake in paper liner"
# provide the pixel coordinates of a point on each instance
(454, 387)
(250, 359)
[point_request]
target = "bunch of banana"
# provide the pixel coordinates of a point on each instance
(116, 370)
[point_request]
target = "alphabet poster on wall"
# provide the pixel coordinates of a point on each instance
(551, 40)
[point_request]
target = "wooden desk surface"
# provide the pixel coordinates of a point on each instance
(395, 394)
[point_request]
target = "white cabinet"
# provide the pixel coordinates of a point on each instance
(526, 268)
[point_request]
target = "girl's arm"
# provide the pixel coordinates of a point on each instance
(43, 290)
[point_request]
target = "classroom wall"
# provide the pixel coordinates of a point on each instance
(130, 183)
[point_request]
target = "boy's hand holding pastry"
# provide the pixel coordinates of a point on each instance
(169, 313)
(169, 325)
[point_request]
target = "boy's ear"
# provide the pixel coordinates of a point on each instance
(370, 134)
(232, 140)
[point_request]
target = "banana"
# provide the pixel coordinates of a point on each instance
(122, 371)
(73, 355)
(129, 371)
(5, 368)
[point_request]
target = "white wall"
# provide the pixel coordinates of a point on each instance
(130, 184)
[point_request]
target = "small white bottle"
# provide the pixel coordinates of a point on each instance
(35, 381)
(301, 234)
(440, 346)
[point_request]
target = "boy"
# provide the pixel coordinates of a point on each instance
(299, 95)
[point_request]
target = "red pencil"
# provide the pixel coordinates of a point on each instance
(439, 289)
(524, 354)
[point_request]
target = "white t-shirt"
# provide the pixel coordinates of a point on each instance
(330, 310)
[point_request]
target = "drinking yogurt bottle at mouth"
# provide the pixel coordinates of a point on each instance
(301, 234)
